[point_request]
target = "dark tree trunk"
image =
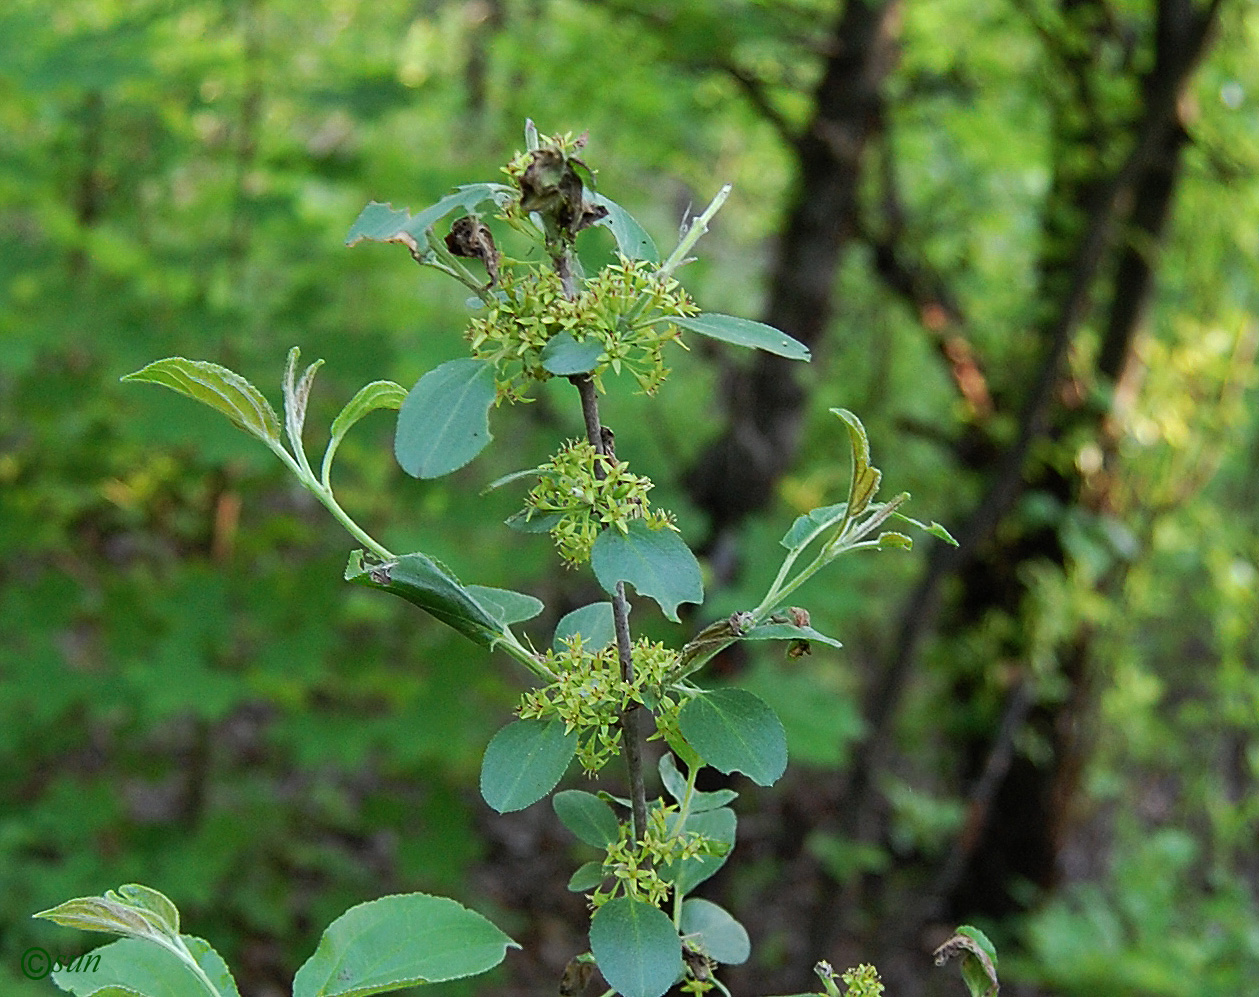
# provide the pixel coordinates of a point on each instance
(764, 401)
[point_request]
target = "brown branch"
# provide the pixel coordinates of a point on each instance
(756, 91)
(600, 438)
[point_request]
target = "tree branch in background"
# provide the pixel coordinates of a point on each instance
(764, 402)
(924, 290)
(1163, 91)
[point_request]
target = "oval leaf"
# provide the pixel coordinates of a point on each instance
(594, 623)
(134, 910)
(735, 731)
(587, 877)
(744, 332)
(588, 817)
(430, 585)
(788, 631)
(564, 355)
(720, 826)
(718, 934)
(524, 761)
(218, 387)
(631, 238)
(806, 527)
(675, 784)
(384, 223)
(134, 966)
(400, 941)
(444, 421)
(506, 606)
(658, 563)
(636, 947)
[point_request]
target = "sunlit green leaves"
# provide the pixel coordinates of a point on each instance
(658, 563)
(735, 731)
(865, 478)
(745, 332)
(134, 910)
(130, 966)
(400, 941)
(636, 946)
(524, 761)
(369, 398)
(220, 388)
(444, 421)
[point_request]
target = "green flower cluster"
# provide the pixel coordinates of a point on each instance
(577, 504)
(624, 309)
(635, 869)
(589, 694)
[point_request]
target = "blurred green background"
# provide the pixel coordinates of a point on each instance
(193, 699)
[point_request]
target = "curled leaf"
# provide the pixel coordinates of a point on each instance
(979, 960)
(218, 387)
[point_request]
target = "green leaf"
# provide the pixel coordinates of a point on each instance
(522, 522)
(564, 355)
(979, 960)
(297, 397)
(893, 540)
(675, 784)
(369, 398)
(524, 761)
(400, 941)
(935, 529)
(506, 606)
(588, 817)
(865, 479)
(807, 527)
(636, 947)
(631, 238)
(658, 563)
(594, 623)
(787, 631)
(218, 387)
(132, 966)
(383, 223)
(587, 877)
(717, 933)
(430, 585)
(444, 421)
(735, 731)
(744, 332)
(135, 911)
(721, 826)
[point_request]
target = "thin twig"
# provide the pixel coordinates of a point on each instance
(631, 718)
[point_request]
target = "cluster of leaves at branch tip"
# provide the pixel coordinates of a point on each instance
(580, 492)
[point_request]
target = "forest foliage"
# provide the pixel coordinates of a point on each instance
(194, 699)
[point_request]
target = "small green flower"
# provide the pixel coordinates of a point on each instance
(569, 488)
(589, 694)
